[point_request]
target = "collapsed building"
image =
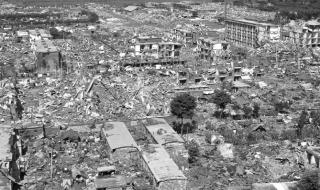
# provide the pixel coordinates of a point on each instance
(9, 155)
(164, 135)
(48, 57)
(250, 33)
(5, 159)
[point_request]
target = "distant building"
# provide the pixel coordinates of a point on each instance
(185, 36)
(39, 34)
(22, 35)
(210, 49)
(249, 33)
(306, 36)
(164, 172)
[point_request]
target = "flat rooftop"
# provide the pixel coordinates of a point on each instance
(160, 164)
(250, 22)
(44, 46)
(40, 32)
(118, 136)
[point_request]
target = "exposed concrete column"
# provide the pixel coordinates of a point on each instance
(252, 37)
(309, 156)
(317, 161)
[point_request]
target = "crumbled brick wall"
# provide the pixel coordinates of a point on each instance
(173, 185)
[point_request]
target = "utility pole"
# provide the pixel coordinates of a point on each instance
(225, 9)
(51, 167)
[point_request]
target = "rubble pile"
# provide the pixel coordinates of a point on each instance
(107, 71)
(67, 158)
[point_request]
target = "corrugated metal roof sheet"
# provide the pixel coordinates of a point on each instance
(163, 133)
(160, 164)
(239, 84)
(106, 168)
(118, 136)
(131, 8)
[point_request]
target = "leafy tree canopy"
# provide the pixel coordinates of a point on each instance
(183, 106)
(221, 99)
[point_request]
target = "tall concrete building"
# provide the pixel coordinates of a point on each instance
(249, 33)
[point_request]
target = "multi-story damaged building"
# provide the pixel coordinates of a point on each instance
(210, 49)
(153, 50)
(249, 33)
(307, 35)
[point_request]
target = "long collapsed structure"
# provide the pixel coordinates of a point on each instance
(157, 159)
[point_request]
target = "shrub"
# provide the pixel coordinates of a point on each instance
(209, 126)
(309, 132)
(193, 151)
(273, 135)
(255, 137)
(309, 180)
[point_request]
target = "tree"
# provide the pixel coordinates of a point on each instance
(282, 106)
(182, 106)
(309, 181)
(221, 99)
(256, 109)
(190, 127)
(302, 121)
(248, 112)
